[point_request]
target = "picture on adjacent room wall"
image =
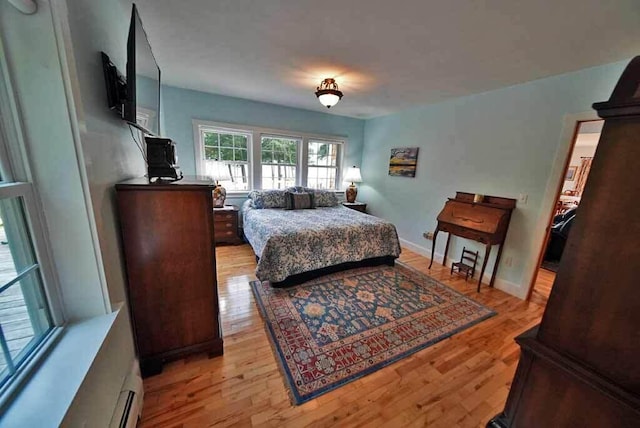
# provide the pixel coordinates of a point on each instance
(403, 161)
(571, 173)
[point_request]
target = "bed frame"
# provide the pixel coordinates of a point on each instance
(299, 278)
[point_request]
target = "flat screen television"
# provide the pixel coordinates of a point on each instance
(142, 104)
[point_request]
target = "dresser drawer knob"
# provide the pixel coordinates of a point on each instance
(229, 224)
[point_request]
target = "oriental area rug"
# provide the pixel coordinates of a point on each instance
(341, 327)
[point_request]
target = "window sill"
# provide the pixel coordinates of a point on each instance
(46, 396)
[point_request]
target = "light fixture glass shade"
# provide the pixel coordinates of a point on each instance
(328, 93)
(328, 100)
(353, 175)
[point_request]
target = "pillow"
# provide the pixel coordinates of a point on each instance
(299, 201)
(323, 198)
(267, 198)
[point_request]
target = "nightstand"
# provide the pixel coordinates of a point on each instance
(358, 206)
(226, 225)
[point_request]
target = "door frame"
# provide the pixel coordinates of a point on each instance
(570, 128)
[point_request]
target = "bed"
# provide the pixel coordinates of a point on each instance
(294, 245)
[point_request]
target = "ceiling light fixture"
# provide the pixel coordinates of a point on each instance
(328, 93)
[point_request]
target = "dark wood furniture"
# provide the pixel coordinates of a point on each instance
(581, 366)
(226, 225)
(467, 264)
(486, 222)
(167, 237)
(358, 206)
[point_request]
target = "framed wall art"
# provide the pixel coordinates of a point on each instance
(403, 161)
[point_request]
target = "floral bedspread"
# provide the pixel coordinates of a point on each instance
(289, 242)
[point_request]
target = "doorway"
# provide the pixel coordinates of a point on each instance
(569, 193)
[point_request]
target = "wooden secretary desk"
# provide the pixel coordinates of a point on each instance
(486, 222)
(168, 241)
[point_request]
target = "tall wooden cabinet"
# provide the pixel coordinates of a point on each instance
(168, 239)
(581, 366)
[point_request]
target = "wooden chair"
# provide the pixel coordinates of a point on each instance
(467, 264)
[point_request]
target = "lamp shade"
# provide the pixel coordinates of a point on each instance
(353, 175)
(219, 171)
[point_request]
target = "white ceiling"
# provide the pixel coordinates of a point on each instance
(385, 55)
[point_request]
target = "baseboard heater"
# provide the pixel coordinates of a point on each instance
(129, 406)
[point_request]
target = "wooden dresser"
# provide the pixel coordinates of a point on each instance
(226, 225)
(581, 366)
(486, 222)
(168, 240)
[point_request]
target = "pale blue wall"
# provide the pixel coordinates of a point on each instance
(499, 143)
(181, 106)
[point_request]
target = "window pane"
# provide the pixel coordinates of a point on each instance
(16, 251)
(226, 154)
(210, 139)
(240, 155)
(279, 150)
(24, 319)
(239, 175)
(322, 178)
(331, 178)
(240, 141)
(226, 140)
(323, 153)
(267, 156)
(24, 315)
(313, 153)
(278, 176)
(212, 153)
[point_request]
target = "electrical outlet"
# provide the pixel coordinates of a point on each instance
(523, 198)
(508, 261)
(428, 235)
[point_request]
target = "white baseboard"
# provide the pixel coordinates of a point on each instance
(501, 284)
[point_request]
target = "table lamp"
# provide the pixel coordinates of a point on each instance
(352, 175)
(219, 172)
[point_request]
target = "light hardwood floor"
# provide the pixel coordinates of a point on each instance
(542, 287)
(461, 381)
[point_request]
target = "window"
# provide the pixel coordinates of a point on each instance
(322, 170)
(25, 316)
(279, 162)
(230, 148)
(259, 158)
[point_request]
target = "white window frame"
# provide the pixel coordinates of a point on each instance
(299, 147)
(17, 182)
(339, 159)
(200, 128)
(255, 155)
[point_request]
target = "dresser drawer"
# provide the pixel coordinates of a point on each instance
(225, 216)
(226, 226)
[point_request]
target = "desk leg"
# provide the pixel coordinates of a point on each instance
(433, 246)
(495, 267)
(484, 264)
(446, 251)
